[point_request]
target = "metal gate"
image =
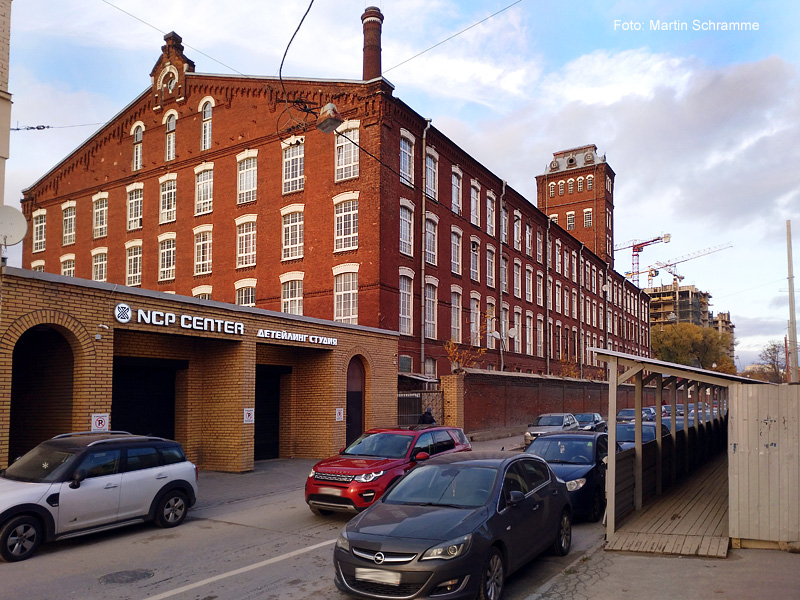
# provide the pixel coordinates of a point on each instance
(410, 406)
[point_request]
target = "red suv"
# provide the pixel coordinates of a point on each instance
(353, 480)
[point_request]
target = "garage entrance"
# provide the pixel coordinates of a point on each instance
(143, 395)
(266, 431)
(41, 389)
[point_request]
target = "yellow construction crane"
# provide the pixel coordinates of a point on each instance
(638, 246)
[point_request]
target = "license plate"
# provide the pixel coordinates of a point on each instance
(330, 491)
(378, 576)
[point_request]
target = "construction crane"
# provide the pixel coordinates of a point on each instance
(638, 246)
(669, 265)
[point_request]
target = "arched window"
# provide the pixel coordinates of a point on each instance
(206, 110)
(169, 152)
(137, 147)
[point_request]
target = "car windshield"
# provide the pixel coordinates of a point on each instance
(444, 485)
(559, 450)
(626, 412)
(43, 464)
(584, 417)
(549, 421)
(626, 433)
(383, 445)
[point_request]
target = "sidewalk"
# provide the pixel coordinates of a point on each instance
(744, 575)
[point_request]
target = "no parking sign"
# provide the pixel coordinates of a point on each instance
(100, 422)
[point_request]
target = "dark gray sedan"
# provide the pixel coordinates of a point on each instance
(455, 527)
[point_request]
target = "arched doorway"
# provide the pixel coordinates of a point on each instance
(41, 389)
(355, 400)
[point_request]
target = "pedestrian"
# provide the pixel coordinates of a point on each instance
(426, 418)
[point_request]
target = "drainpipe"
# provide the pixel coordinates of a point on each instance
(422, 253)
(580, 308)
(497, 267)
(548, 293)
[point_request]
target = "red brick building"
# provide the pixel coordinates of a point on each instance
(223, 187)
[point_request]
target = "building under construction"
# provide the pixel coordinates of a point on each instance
(678, 304)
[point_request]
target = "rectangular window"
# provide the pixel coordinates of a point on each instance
(474, 261)
(518, 280)
(570, 221)
(456, 193)
(68, 268)
(137, 156)
(135, 209)
(540, 337)
(68, 226)
(587, 217)
(474, 205)
(455, 317)
(100, 219)
(431, 170)
(406, 231)
(169, 149)
(540, 289)
(405, 305)
(346, 154)
(99, 262)
(248, 171)
(246, 245)
(539, 246)
(406, 161)
(39, 232)
(490, 339)
(474, 322)
(529, 285)
(202, 253)
(490, 215)
(293, 235)
(528, 240)
(517, 233)
(346, 225)
(558, 256)
(504, 274)
(293, 168)
(345, 298)
(430, 311)
(166, 260)
(246, 296)
(504, 225)
(168, 201)
(292, 297)
(134, 266)
(518, 330)
(204, 192)
(455, 253)
(558, 297)
(490, 267)
(430, 241)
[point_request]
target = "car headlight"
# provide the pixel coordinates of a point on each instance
(452, 549)
(576, 484)
(367, 477)
(310, 475)
(342, 542)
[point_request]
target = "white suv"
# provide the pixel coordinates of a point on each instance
(79, 483)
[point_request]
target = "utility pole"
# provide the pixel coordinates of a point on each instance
(791, 363)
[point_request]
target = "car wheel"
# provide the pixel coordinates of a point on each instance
(172, 509)
(563, 539)
(492, 576)
(19, 538)
(598, 506)
(320, 512)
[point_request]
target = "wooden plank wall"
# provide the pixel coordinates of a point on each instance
(764, 462)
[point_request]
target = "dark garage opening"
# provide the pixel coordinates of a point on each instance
(143, 395)
(266, 434)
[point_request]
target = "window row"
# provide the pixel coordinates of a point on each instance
(570, 185)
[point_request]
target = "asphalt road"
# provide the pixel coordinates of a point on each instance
(250, 536)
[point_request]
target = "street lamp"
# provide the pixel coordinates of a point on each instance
(510, 335)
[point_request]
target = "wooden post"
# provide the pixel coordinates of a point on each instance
(611, 474)
(637, 468)
(659, 441)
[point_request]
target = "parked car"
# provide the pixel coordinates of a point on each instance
(455, 527)
(550, 422)
(627, 431)
(577, 458)
(356, 477)
(649, 413)
(627, 414)
(77, 483)
(591, 422)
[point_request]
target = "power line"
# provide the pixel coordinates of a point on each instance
(43, 127)
(453, 36)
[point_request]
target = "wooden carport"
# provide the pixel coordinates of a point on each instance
(700, 498)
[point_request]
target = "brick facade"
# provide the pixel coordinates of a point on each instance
(255, 117)
(59, 340)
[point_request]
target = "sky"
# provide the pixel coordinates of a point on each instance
(700, 124)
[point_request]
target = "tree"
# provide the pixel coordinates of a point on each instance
(688, 344)
(773, 361)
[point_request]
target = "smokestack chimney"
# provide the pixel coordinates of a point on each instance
(373, 22)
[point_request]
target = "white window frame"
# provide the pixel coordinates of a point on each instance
(490, 260)
(168, 198)
(407, 142)
(293, 164)
(203, 188)
(432, 174)
(345, 227)
(99, 264)
(475, 319)
(246, 238)
(39, 230)
(68, 220)
(456, 180)
(135, 205)
(133, 263)
(406, 301)
(456, 296)
(490, 213)
(206, 111)
(347, 139)
(587, 217)
(456, 237)
(292, 292)
(517, 278)
(475, 203)
(166, 256)
(293, 231)
(68, 265)
(137, 132)
(431, 235)
(100, 215)
(247, 176)
(406, 227)
(345, 293)
(431, 303)
(203, 249)
(475, 259)
(246, 291)
(170, 124)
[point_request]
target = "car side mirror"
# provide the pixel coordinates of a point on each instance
(341, 450)
(421, 455)
(515, 497)
(77, 477)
